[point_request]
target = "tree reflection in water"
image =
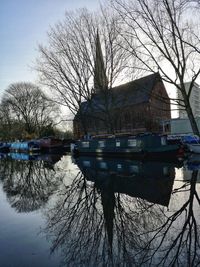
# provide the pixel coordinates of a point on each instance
(104, 223)
(28, 183)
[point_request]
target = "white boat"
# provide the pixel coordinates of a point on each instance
(192, 142)
(195, 148)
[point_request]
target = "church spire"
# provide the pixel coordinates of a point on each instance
(100, 79)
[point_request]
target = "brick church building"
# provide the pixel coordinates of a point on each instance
(134, 107)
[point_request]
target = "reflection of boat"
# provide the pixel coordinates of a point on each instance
(22, 156)
(149, 180)
(143, 146)
(47, 158)
(3, 155)
(193, 162)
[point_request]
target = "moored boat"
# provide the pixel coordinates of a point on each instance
(29, 146)
(4, 147)
(142, 146)
(50, 144)
(192, 142)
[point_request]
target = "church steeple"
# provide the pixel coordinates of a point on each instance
(100, 79)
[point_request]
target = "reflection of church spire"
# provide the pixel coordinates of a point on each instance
(100, 79)
(108, 203)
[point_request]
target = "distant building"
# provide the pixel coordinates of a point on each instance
(179, 126)
(194, 101)
(134, 107)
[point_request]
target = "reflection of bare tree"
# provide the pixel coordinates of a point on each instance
(177, 239)
(77, 218)
(94, 226)
(28, 184)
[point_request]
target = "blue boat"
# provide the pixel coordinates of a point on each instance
(190, 142)
(144, 146)
(29, 146)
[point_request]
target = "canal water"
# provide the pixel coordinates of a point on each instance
(59, 211)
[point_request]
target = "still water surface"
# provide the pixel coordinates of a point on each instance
(57, 211)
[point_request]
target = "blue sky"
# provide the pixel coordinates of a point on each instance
(23, 25)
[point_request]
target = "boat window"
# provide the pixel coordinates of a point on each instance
(119, 166)
(166, 171)
(85, 144)
(132, 142)
(134, 169)
(117, 143)
(163, 141)
(103, 165)
(101, 143)
(86, 163)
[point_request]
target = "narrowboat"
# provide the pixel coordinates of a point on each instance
(50, 144)
(28, 146)
(4, 147)
(143, 146)
(67, 144)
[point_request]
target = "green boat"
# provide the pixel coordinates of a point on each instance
(142, 146)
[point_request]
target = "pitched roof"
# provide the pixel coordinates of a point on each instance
(138, 91)
(131, 93)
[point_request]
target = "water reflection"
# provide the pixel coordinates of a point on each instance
(114, 214)
(28, 180)
(152, 181)
(110, 212)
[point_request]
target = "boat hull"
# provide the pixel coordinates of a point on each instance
(51, 145)
(195, 148)
(131, 147)
(25, 147)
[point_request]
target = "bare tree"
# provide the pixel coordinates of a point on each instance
(67, 65)
(6, 128)
(166, 39)
(25, 103)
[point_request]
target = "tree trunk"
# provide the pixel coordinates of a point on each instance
(192, 121)
(190, 114)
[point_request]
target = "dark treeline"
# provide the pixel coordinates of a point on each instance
(27, 112)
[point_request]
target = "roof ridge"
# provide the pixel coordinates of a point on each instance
(156, 74)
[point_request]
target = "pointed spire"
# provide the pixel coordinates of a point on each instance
(100, 79)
